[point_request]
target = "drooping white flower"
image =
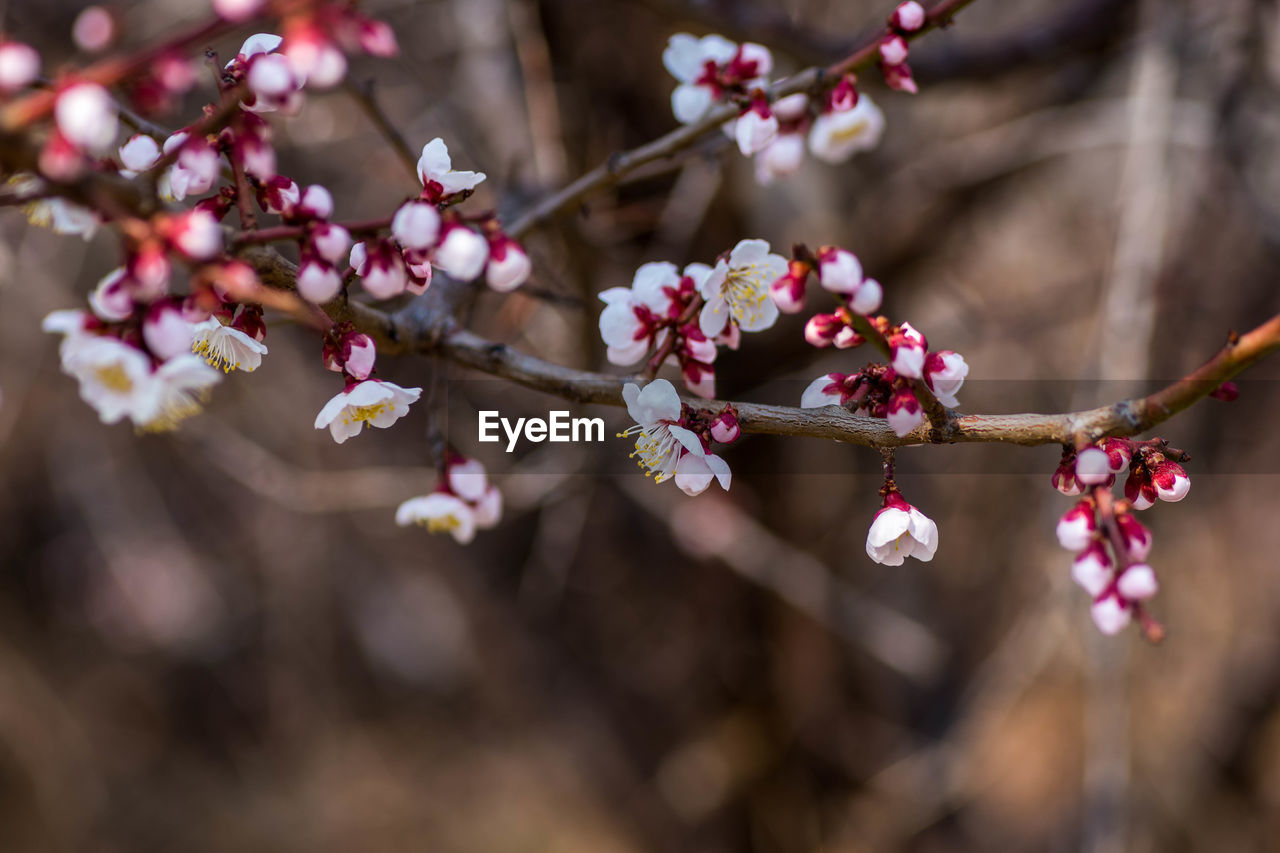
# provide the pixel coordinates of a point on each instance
(436, 167)
(372, 402)
(1092, 568)
(838, 135)
(738, 289)
(467, 479)
(663, 445)
(1138, 582)
(900, 531)
(439, 513)
(87, 116)
(225, 347)
(1076, 527)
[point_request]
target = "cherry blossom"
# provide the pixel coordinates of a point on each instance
(738, 289)
(710, 67)
(756, 128)
(350, 352)
(1093, 466)
(945, 372)
(838, 134)
(439, 512)
(908, 17)
(381, 268)
(174, 393)
(138, 155)
(462, 253)
(666, 448)
(318, 281)
(826, 390)
(1110, 614)
(439, 180)
(416, 225)
(509, 266)
(19, 65)
(372, 401)
(113, 377)
(905, 412)
(1092, 568)
(908, 348)
(1076, 527)
(166, 332)
(225, 347)
(87, 116)
(1171, 481)
(899, 530)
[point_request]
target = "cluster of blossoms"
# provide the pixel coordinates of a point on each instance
(462, 503)
(674, 441)
(841, 123)
(682, 316)
(888, 391)
(1110, 543)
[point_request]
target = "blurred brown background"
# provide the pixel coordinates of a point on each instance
(218, 640)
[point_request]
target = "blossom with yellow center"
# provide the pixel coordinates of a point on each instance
(738, 289)
(226, 348)
(372, 401)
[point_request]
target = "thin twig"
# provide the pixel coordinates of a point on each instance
(611, 171)
(364, 97)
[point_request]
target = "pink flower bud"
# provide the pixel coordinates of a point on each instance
(847, 338)
(509, 266)
(384, 275)
(377, 38)
(1139, 489)
(315, 202)
(140, 153)
(60, 159)
(1137, 539)
(1110, 615)
(1171, 481)
(905, 413)
(87, 116)
(416, 225)
(313, 56)
(1118, 454)
(867, 298)
(359, 354)
(821, 329)
(94, 29)
(898, 77)
(271, 77)
(908, 349)
(165, 331)
(466, 478)
(330, 241)
(908, 17)
(1226, 392)
(112, 298)
(893, 50)
(149, 268)
(838, 270)
(788, 290)
(1076, 527)
(1092, 568)
(318, 281)
(1064, 479)
(237, 10)
(462, 253)
(1138, 582)
(1093, 466)
(19, 65)
(197, 235)
(756, 127)
(725, 429)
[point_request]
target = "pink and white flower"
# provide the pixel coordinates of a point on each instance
(666, 449)
(904, 412)
(839, 270)
(1076, 527)
(439, 512)
(945, 372)
(225, 347)
(416, 225)
(509, 266)
(439, 180)
(87, 116)
(756, 127)
(630, 318)
(113, 377)
(1138, 582)
(1137, 539)
(381, 268)
(138, 155)
(1093, 466)
(738, 289)
(837, 135)
(908, 17)
(197, 167)
(1092, 568)
(908, 347)
(331, 242)
(1170, 481)
(373, 402)
(826, 390)
(900, 531)
(700, 66)
(354, 353)
(19, 65)
(166, 332)
(1111, 614)
(318, 281)
(462, 252)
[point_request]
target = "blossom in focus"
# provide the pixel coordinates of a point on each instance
(945, 372)
(900, 531)
(666, 448)
(225, 347)
(373, 402)
(738, 289)
(439, 179)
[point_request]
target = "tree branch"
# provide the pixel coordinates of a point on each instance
(611, 171)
